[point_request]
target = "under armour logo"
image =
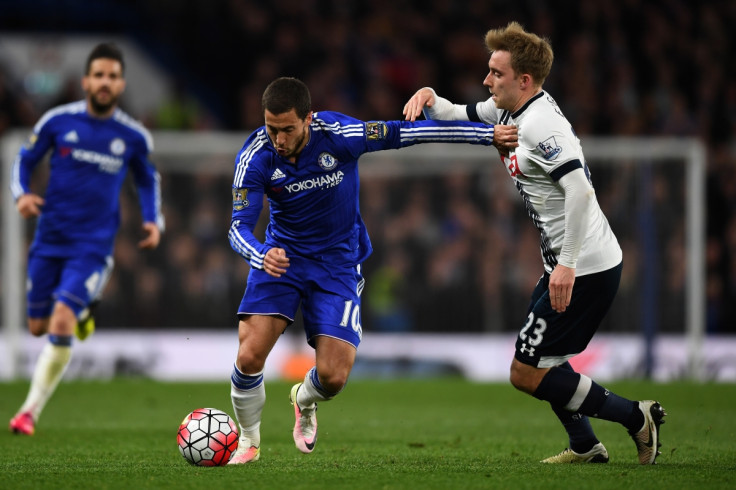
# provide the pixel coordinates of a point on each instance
(528, 350)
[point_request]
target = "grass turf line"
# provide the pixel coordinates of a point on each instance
(444, 433)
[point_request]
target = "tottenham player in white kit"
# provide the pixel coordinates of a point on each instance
(306, 164)
(581, 256)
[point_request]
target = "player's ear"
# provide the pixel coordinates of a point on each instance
(525, 80)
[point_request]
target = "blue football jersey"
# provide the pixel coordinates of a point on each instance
(88, 164)
(314, 203)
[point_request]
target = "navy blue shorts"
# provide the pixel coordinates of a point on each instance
(329, 296)
(549, 338)
(75, 281)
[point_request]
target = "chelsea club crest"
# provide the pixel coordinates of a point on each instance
(117, 146)
(327, 161)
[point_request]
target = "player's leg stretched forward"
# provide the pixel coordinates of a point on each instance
(50, 366)
(335, 359)
(584, 446)
(540, 368)
(61, 288)
(257, 335)
(577, 393)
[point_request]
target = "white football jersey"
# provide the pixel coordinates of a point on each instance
(548, 149)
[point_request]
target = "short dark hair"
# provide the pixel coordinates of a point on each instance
(285, 94)
(105, 50)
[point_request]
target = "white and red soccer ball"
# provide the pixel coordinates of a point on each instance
(207, 437)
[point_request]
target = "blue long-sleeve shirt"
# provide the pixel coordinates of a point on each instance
(314, 209)
(89, 160)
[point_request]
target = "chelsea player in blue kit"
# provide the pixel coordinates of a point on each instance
(92, 144)
(306, 164)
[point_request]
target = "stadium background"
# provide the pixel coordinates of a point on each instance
(622, 68)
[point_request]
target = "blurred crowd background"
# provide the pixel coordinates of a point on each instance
(453, 252)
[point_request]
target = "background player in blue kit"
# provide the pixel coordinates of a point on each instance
(578, 246)
(92, 143)
(306, 164)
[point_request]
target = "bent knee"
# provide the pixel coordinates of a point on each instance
(333, 382)
(517, 380)
(525, 378)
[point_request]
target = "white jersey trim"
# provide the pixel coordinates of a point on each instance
(72, 108)
(246, 156)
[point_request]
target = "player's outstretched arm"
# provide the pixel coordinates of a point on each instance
(414, 107)
(400, 134)
(505, 138)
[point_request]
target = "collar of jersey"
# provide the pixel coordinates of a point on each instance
(527, 104)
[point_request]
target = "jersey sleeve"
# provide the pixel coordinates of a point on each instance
(485, 112)
(248, 190)
(358, 137)
(555, 150)
(384, 135)
(445, 110)
(579, 197)
(29, 156)
(148, 184)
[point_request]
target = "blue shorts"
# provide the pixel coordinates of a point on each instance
(549, 338)
(75, 281)
(329, 295)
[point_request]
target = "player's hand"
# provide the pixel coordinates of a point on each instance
(505, 138)
(153, 236)
(29, 205)
(560, 287)
(275, 262)
(423, 97)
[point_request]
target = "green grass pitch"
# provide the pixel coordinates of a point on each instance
(442, 433)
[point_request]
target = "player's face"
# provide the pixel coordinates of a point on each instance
(103, 85)
(288, 133)
(502, 82)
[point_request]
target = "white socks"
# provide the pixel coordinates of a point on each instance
(248, 405)
(308, 394)
(50, 367)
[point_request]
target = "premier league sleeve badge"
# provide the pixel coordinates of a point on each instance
(240, 199)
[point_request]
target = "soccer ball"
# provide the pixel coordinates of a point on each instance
(207, 437)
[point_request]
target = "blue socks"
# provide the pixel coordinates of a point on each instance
(578, 428)
(565, 389)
